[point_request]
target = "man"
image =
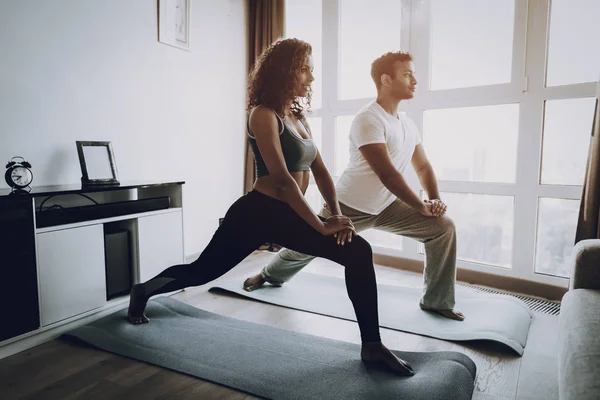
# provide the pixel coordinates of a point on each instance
(372, 191)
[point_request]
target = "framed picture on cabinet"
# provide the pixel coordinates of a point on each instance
(97, 162)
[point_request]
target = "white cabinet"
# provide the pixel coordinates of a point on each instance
(70, 251)
(71, 262)
(160, 243)
(71, 272)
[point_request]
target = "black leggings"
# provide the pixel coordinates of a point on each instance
(257, 218)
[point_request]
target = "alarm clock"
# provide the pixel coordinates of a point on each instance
(18, 173)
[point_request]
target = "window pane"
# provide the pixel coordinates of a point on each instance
(382, 239)
(476, 144)
(461, 34)
(342, 143)
(368, 29)
(303, 21)
(572, 40)
(557, 222)
(567, 130)
(314, 198)
(484, 226)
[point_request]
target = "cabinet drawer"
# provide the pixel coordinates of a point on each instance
(160, 241)
(71, 271)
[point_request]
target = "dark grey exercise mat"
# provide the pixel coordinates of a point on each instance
(272, 362)
(499, 318)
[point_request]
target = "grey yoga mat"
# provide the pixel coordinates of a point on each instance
(272, 362)
(498, 318)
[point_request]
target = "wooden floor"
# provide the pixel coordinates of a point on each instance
(60, 370)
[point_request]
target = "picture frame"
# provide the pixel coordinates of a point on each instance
(97, 163)
(174, 23)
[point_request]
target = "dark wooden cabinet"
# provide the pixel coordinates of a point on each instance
(18, 276)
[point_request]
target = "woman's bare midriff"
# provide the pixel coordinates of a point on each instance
(266, 185)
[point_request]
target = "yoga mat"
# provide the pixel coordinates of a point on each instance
(498, 318)
(272, 362)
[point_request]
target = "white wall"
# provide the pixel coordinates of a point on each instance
(94, 70)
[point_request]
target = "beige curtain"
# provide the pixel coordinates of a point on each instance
(265, 25)
(588, 225)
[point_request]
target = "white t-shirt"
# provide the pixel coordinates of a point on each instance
(359, 187)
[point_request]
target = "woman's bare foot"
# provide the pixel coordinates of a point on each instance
(253, 282)
(137, 305)
(452, 314)
(376, 352)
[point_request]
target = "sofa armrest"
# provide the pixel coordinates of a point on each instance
(586, 268)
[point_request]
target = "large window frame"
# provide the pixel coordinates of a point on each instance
(526, 88)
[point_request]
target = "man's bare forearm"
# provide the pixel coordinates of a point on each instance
(399, 188)
(429, 183)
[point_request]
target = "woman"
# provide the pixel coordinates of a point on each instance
(275, 210)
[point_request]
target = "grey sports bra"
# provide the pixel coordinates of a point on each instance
(299, 153)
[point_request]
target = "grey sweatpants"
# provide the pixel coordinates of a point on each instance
(438, 234)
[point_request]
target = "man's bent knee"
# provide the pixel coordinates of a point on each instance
(445, 224)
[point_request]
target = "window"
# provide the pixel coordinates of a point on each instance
(462, 32)
(505, 104)
(555, 235)
(484, 227)
(477, 144)
(303, 21)
(567, 128)
(573, 55)
(368, 29)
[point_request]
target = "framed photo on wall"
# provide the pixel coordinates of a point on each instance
(97, 162)
(174, 23)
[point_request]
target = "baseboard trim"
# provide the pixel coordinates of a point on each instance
(509, 284)
(505, 283)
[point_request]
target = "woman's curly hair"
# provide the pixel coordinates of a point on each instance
(274, 77)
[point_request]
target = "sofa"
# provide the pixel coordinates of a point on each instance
(579, 327)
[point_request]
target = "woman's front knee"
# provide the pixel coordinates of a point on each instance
(361, 248)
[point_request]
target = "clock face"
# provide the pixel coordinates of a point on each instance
(21, 176)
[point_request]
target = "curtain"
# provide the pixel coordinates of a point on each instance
(588, 225)
(265, 25)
